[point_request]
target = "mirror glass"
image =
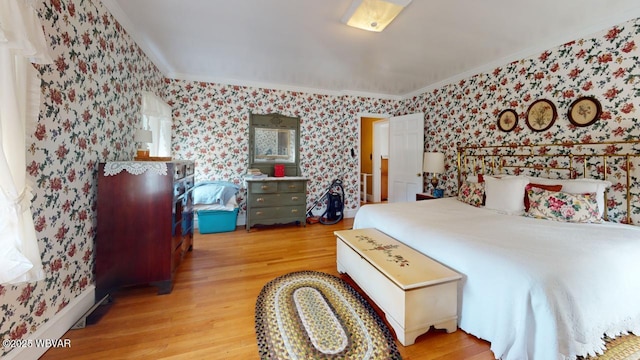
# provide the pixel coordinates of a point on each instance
(275, 145)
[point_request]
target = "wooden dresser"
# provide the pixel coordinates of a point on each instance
(276, 200)
(145, 223)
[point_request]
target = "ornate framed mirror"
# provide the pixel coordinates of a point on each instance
(274, 139)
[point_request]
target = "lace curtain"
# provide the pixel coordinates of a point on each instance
(156, 116)
(22, 42)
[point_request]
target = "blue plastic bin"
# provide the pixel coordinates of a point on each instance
(217, 221)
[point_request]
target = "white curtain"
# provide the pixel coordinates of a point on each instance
(21, 42)
(156, 116)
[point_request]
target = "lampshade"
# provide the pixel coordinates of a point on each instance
(433, 162)
(143, 136)
(373, 15)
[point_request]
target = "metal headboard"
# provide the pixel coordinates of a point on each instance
(561, 160)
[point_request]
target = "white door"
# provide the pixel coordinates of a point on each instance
(406, 146)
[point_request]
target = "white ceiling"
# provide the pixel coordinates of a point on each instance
(302, 44)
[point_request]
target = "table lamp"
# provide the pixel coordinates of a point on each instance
(143, 138)
(433, 162)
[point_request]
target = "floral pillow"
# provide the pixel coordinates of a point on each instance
(541, 186)
(471, 193)
(561, 206)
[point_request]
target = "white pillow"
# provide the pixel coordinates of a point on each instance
(473, 178)
(579, 186)
(505, 195)
(480, 177)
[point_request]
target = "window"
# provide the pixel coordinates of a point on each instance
(21, 42)
(156, 116)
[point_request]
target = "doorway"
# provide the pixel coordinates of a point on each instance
(381, 160)
(374, 150)
(408, 178)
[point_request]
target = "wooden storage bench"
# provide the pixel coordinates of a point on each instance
(414, 291)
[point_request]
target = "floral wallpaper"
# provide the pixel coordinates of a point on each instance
(212, 127)
(604, 65)
(211, 119)
(90, 103)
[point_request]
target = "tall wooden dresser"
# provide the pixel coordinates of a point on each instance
(145, 223)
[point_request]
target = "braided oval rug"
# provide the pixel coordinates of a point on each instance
(313, 315)
(626, 347)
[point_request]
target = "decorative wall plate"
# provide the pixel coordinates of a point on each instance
(584, 111)
(507, 120)
(541, 115)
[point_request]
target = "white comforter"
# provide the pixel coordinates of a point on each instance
(536, 289)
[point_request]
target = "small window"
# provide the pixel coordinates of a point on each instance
(156, 116)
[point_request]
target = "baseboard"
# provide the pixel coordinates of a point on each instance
(369, 197)
(57, 326)
(242, 220)
(348, 214)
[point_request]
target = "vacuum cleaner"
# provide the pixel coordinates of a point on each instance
(333, 199)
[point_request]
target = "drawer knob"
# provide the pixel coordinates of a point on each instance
(293, 211)
(260, 199)
(292, 186)
(294, 198)
(264, 187)
(258, 212)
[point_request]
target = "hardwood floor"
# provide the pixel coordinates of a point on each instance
(210, 313)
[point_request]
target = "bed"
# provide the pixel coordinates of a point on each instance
(535, 288)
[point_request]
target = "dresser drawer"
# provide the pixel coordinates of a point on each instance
(276, 201)
(263, 187)
(178, 189)
(178, 171)
(182, 186)
(188, 183)
(285, 199)
(278, 212)
(291, 186)
(189, 168)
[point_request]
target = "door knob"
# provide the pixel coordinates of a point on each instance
(418, 174)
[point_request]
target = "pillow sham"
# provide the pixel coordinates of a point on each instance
(580, 186)
(475, 178)
(563, 206)
(471, 193)
(539, 186)
(505, 195)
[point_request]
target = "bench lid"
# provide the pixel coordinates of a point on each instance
(403, 265)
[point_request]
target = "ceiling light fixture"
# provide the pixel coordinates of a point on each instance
(373, 15)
